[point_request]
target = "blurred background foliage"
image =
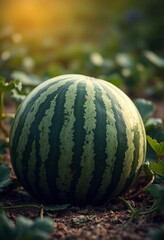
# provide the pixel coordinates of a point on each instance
(119, 41)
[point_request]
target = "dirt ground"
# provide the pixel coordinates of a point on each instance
(112, 221)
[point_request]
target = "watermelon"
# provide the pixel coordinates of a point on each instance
(77, 139)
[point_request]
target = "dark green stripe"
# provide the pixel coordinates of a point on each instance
(133, 173)
(79, 137)
(30, 186)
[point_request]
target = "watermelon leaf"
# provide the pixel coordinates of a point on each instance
(7, 229)
(114, 79)
(124, 60)
(4, 176)
(6, 87)
(25, 229)
(53, 208)
(157, 191)
(25, 79)
(156, 146)
(23, 225)
(18, 98)
(157, 133)
(39, 229)
(157, 234)
(152, 122)
(3, 147)
(157, 167)
(145, 107)
(154, 58)
(46, 225)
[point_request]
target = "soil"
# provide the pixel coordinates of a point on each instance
(112, 221)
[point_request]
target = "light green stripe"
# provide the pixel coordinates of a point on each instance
(23, 139)
(111, 144)
(17, 118)
(32, 167)
(44, 132)
(66, 141)
(87, 159)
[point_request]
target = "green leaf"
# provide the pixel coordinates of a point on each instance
(22, 226)
(7, 228)
(26, 80)
(156, 190)
(4, 176)
(6, 87)
(3, 146)
(146, 167)
(96, 58)
(18, 98)
(145, 107)
(160, 204)
(156, 146)
(2, 83)
(155, 133)
(124, 60)
(46, 225)
(154, 58)
(56, 207)
(153, 122)
(17, 85)
(157, 168)
(157, 234)
(29, 230)
(114, 79)
(25, 229)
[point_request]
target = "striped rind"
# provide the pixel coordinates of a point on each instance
(77, 139)
(87, 158)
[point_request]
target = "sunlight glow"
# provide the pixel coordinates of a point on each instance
(36, 15)
(27, 13)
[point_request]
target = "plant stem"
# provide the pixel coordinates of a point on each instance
(8, 115)
(22, 206)
(1, 107)
(151, 180)
(150, 210)
(41, 212)
(133, 211)
(158, 158)
(4, 129)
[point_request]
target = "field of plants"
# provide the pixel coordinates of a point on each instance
(121, 42)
